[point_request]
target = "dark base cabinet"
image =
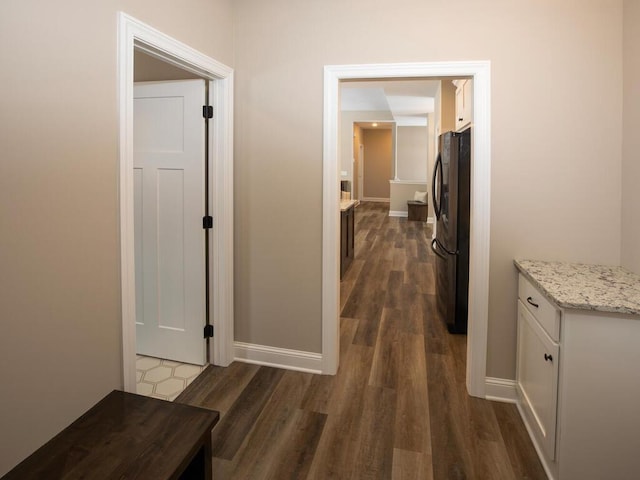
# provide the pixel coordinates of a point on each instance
(347, 240)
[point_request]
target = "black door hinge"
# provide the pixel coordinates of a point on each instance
(208, 331)
(207, 111)
(207, 222)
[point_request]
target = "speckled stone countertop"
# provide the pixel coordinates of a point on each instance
(585, 287)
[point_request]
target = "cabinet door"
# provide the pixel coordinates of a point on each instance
(460, 120)
(464, 103)
(344, 244)
(467, 108)
(537, 379)
(351, 233)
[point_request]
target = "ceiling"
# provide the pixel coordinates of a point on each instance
(408, 101)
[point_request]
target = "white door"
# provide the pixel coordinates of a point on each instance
(169, 204)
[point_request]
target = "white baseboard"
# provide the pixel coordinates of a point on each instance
(374, 199)
(500, 390)
(401, 213)
(278, 357)
(398, 213)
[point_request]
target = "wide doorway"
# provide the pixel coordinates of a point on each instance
(480, 201)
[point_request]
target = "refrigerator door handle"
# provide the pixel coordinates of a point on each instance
(435, 249)
(442, 247)
(437, 169)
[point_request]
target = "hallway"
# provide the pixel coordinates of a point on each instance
(398, 406)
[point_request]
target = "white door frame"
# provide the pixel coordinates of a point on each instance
(135, 35)
(480, 204)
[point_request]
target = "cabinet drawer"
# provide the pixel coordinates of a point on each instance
(537, 379)
(542, 309)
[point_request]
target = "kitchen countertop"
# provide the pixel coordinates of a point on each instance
(585, 287)
(345, 204)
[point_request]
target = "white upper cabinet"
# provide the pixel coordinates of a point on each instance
(464, 103)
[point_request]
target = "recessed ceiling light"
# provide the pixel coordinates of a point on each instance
(374, 124)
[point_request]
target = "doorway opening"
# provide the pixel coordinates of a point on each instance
(480, 204)
(170, 188)
(371, 173)
(135, 36)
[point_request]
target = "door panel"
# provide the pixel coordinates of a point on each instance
(171, 281)
(446, 288)
(158, 123)
(169, 194)
(137, 235)
(537, 378)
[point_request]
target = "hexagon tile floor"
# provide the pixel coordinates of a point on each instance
(163, 379)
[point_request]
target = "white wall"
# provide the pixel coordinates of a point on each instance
(60, 347)
(631, 139)
(555, 191)
(411, 153)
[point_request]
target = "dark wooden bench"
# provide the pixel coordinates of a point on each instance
(127, 436)
(417, 211)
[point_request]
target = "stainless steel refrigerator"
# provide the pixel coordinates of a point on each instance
(451, 185)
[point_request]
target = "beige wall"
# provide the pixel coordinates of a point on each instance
(148, 68)
(347, 118)
(411, 153)
(448, 106)
(378, 158)
(357, 141)
(555, 191)
(555, 188)
(60, 347)
(631, 139)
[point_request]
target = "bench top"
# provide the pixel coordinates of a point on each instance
(123, 436)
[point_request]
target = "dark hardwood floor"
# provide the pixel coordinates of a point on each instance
(398, 407)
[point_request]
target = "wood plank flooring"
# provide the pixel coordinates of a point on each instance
(398, 407)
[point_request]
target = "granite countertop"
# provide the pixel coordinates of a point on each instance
(585, 287)
(345, 204)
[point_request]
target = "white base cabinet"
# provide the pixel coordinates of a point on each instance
(578, 385)
(537, 384)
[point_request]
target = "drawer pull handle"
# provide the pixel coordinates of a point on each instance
(548, 358)
(530, 302)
